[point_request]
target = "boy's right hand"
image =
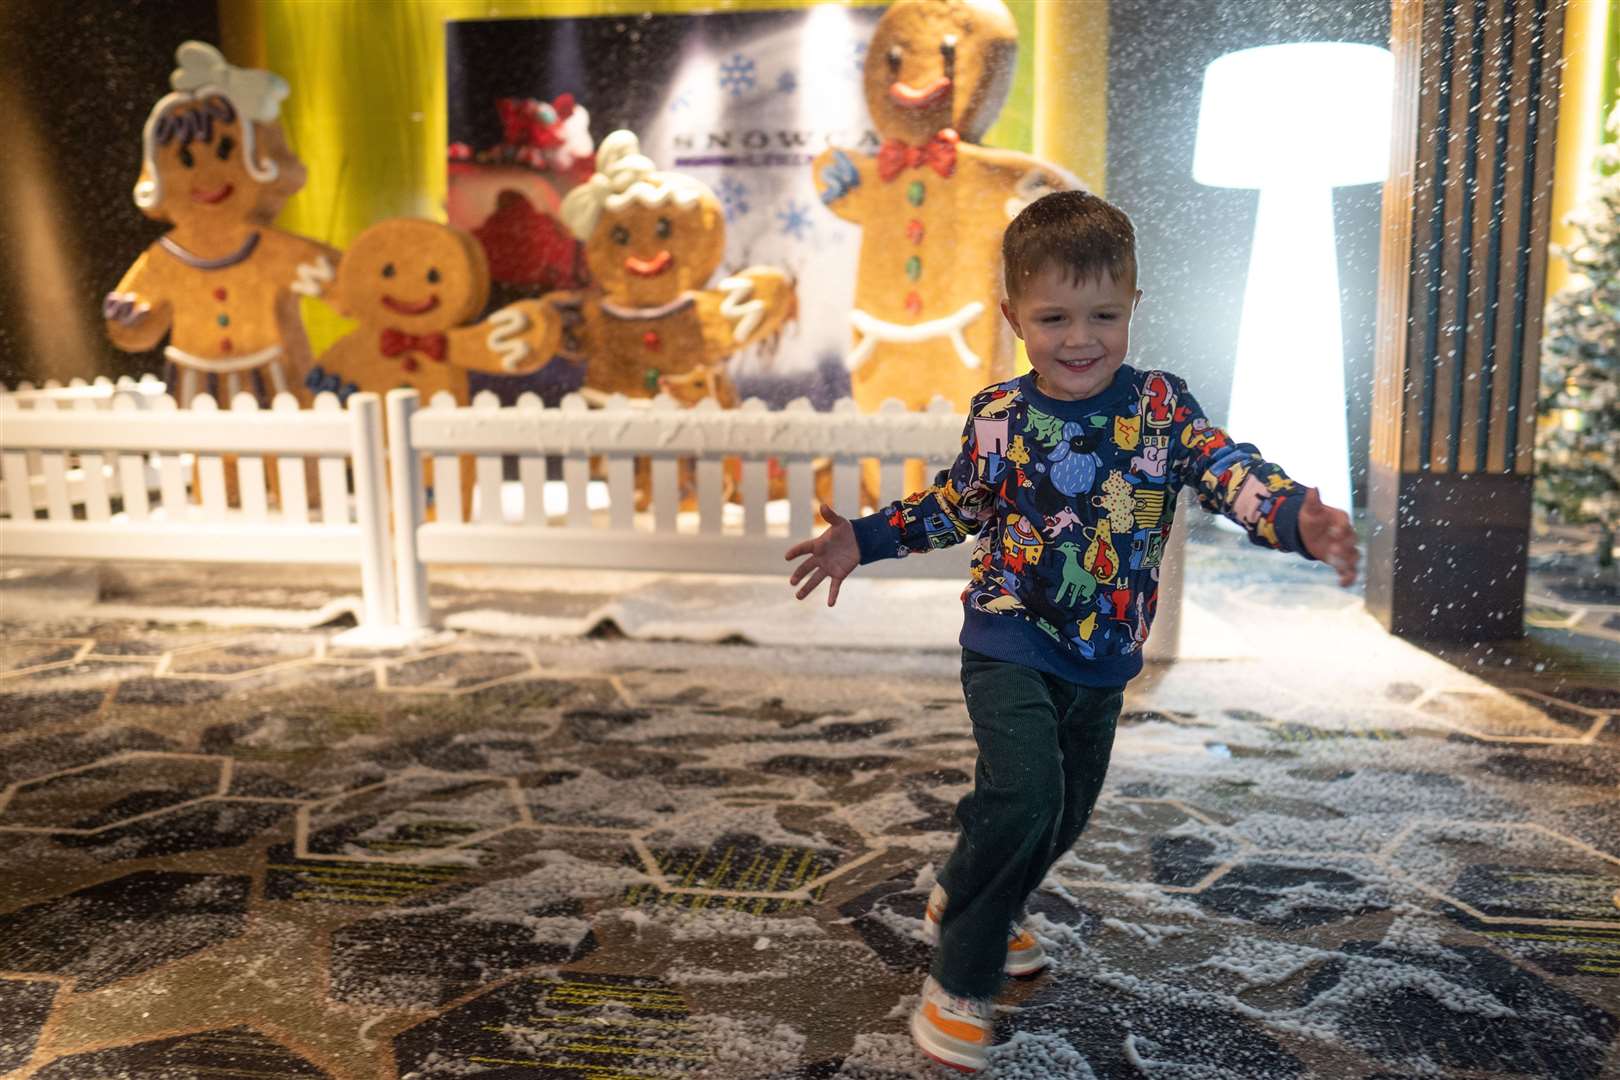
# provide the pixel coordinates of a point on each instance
(833, 555)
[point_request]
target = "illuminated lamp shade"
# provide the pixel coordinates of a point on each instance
(1295, 121)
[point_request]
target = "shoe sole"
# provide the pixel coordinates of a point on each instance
(938, 1055)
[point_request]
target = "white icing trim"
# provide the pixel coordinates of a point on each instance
(637, 314)
(624, 175)
(222, 366)
(874, 330)
(313, 277)
(505, 327)
(743, 313)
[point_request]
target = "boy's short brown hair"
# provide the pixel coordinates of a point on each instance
(1074, 230)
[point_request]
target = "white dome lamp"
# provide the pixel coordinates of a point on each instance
(1295, 121)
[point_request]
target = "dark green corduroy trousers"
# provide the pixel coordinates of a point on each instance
(1043, 752)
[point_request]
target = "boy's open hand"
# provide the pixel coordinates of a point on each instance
(834, 555)
(1327, 534)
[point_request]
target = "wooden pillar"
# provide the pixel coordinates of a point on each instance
(1462, 277)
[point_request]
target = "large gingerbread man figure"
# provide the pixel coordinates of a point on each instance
(932, 205)
(411, 284)
(222, 285)
(652, 242)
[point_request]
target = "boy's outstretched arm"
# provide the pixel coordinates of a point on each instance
(833, 556)
(1327, 534)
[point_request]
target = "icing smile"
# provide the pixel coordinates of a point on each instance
(218, 195)
(649, 267)
(909, 97)
(418, 308)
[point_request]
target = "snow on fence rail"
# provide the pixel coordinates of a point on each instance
(692, 455)
(214, 493)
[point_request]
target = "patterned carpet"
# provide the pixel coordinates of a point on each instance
(250, 854)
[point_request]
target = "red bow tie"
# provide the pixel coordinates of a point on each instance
(938, 153)
(395, 342)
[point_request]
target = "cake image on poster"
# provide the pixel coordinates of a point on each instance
(508, 195)
(222, 284)
(932, 204)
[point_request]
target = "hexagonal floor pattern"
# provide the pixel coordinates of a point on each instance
(244, 854)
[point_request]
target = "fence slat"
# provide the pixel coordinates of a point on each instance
(666, 493)
(294, 493)
(532, 479)
(53, 467)
(801, 493)
(577, 479)
(621, 482)
(132, 475)
(210, 468)
(14, 469)
(92, 467)
(174, 479)
(756, 490)
(711, 495)
(489, 470)
(334, 480)
(250, 467)
(847, 487)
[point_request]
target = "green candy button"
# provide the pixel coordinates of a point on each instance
(914, 268)
(915, 193)
(223, 320)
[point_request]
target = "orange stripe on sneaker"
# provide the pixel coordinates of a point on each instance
(956, 1029)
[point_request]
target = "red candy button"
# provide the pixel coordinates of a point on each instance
(225, 344)
(651, 340)
(219, 294)
(914, 231)
(913, 302)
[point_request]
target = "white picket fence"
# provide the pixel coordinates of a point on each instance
(90, 459)
(80, 467)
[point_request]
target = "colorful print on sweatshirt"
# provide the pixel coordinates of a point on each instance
(1072, 503)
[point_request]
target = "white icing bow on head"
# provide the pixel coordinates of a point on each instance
(256, 94)
(203, 72)
(624, 175)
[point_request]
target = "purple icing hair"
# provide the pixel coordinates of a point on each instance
(194, 125)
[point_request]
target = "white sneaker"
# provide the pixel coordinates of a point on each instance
(1024, 953)
(954, 1031)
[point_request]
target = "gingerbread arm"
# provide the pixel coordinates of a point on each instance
(137, 319)
(515, 340)
(843, 180)
(1023, 178)
(744, 308)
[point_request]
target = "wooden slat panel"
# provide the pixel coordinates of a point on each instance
(1466, 437)
(1545, 83)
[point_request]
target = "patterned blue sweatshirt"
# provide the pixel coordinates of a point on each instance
(1072, 503)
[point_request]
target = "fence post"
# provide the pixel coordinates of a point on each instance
(371, 512)
(410, 509)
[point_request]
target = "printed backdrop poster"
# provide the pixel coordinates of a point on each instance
(742, 101)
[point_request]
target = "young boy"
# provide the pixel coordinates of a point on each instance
(1069, 476)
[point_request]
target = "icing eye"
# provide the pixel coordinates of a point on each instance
(664, 228)
(185, 157)
(894, 58)
(223, 150)
(433, 275)
(620, 234)
(388, 269)
(947, 47)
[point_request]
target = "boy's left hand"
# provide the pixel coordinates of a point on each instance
(1327, 534)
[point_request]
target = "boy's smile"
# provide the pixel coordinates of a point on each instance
(1076, 332)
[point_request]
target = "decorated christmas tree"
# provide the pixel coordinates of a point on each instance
(1578, 438)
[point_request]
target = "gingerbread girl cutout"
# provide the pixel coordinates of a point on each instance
(221, 284)
(931, 204)
(652, 242)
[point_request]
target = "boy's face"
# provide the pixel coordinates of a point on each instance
(1076, 332)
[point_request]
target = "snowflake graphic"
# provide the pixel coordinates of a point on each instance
(737, 75)
(787, 82)
(733, 198)
(682, 101)
(795, 220)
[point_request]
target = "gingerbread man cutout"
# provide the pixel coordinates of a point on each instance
(221, 284)
(932, 204)
(411, 284)
(652, 242)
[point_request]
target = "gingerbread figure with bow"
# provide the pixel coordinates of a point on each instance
(412, 285)
(932, 204)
